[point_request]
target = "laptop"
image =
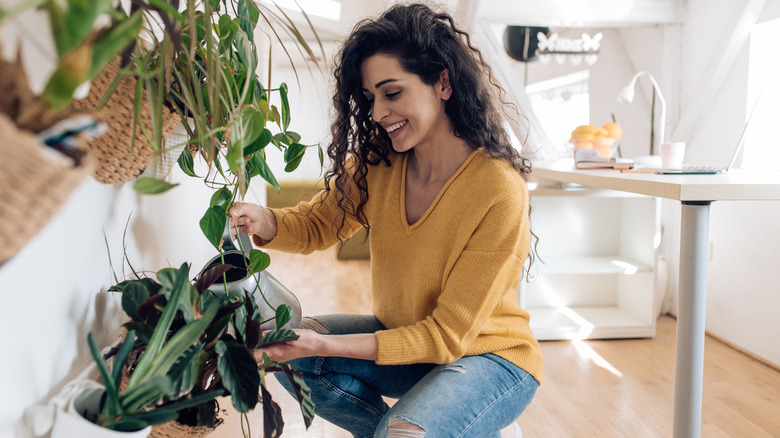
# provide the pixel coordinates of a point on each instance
(689, 169)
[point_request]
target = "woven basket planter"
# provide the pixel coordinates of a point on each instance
(174, 429)
(117, 159)
(34, 183)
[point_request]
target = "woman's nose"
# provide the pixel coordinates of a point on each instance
(378, 111)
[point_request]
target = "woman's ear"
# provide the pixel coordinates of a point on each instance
(443, 86)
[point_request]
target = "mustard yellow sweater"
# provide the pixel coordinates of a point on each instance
(445, 286)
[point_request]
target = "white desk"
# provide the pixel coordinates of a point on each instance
(696, 193)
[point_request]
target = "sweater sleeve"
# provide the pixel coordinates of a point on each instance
(309, 226)
(481, 275)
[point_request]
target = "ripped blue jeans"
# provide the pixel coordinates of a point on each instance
(475, 396)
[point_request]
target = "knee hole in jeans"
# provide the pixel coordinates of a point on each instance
(314, 325)
(400, 428)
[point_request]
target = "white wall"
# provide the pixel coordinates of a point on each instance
(743, 280)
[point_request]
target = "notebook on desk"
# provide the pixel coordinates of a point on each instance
(692, 169)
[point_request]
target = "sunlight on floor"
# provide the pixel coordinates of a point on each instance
(585, 326)
(584, 350)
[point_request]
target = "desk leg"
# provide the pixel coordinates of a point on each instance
(689, 357)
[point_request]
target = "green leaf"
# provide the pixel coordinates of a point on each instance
(302, 393)
(273, 423)
(264, 171)
(248, 126)
(167, 278)
(72, 71)
(292, 137)
(239, 374)
(172, 351)
(133, 296)
(186, 163)
(221, 198)
(248, 14)
(282, 335)
(146, 365)
(283, 316)
(111, 406)
(285, 107)
(185, 371)
(151, 186)
(275, 116)
(258, 260)
(113, 41)
(146, 393)
(261, 142)
(239, 322)
(223, 26)
(121, 357)
(213, 224)
(151, 417)
(247, 53)
(293, 156)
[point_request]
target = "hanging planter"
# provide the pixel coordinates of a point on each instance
(74, 421)
(35, 181)
(119, 158)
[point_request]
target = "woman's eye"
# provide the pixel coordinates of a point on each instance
(392, 95)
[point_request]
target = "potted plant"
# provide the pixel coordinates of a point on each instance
(227, 110)
(224, 361)
(162, 381)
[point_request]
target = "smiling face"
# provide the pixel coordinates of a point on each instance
(411, 112)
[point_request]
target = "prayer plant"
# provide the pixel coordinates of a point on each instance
(212, 338)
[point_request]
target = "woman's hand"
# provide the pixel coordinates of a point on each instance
(309, 343)
(252, 219)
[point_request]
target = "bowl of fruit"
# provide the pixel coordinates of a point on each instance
(601, 138)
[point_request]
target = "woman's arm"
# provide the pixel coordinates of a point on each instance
(310, 343)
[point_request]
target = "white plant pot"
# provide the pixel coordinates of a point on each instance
(70, 423)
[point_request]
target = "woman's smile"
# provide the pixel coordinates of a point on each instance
(395, 129)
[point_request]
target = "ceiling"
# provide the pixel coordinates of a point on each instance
(549, 13)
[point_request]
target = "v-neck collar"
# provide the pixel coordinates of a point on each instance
(404, 221)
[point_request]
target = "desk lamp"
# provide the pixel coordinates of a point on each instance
(626, 95)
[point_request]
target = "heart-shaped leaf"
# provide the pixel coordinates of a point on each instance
(213, 224)
(147, 185)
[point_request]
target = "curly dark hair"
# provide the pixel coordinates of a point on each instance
(425, 43)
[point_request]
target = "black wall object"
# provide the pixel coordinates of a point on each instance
(521, 42)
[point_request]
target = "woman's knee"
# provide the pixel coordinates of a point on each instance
(400, 428)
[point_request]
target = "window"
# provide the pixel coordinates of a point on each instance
(561, 104)
(762, 142)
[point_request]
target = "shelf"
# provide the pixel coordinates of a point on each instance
(590, 265)
(549, 323)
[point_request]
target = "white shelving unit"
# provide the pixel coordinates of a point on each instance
(594, 278)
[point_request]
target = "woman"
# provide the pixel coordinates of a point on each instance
(421, 159)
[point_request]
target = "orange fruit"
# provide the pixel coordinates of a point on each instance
(613, 130)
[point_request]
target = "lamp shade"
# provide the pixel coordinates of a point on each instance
(521, 42)
(626, 95)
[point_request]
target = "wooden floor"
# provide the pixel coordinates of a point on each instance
(612, 388)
